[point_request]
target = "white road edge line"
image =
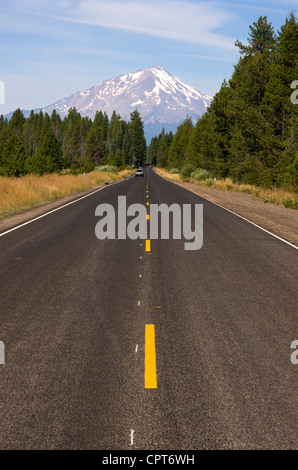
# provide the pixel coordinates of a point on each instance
(61, 207)
(132, 437)
(235, 213)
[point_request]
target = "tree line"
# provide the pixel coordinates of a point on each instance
(250, 131)
(45, 144)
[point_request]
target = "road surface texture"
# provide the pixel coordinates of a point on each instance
(73, 316)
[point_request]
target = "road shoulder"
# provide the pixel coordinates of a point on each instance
(272, 217)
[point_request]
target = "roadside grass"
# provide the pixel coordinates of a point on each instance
(168, 175)
(282, 197)
(19, 194)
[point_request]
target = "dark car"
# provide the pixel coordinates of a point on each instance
(139, 172)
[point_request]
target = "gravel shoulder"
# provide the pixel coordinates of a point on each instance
(273, 217)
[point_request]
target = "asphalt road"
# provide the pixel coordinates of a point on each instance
(73, 311)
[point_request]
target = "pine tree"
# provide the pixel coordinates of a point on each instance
(115, 134)
(36, 131)
(152, 154)
(277, 107)
(96, 145)
(160, 146)
(216, 141)
(16, 123)
(138, 142)
(71, 136)
(177, 154)
(3, 134)
(48, 158)
(126, 146)
(56, 125)
(249, 161)
(28, 134)
(13, 159)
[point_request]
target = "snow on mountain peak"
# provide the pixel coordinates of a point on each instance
(162, 99)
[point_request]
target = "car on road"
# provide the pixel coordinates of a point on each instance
(139, 172)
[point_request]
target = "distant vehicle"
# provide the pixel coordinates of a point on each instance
(139, 172)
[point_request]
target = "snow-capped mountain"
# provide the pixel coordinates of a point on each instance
(161, 99)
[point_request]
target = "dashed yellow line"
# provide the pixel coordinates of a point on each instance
(150, 357)
(148, 217)
(148, 245)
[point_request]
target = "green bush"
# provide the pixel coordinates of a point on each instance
(187, 170)
(107, 168)
(290, 203)
(174, 171)
(209, 182)
(200, 174)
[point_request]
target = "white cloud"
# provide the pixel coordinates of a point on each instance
(265, 7)
(175, 20)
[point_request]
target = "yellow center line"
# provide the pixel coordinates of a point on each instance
(148, 217)
(147, 203)
(150, 357)
(148, 245)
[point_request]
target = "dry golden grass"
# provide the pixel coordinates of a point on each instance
(167, 175)
(272, 196)
(18, 194)
(125, 173)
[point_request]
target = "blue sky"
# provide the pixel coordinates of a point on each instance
(53, 48)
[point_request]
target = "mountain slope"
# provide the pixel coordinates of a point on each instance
(161, 99)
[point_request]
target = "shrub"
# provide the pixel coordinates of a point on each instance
(107, 168)
(291, 203)
(209, 182)
(174, 171)
(187, 170)
(200, 174)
